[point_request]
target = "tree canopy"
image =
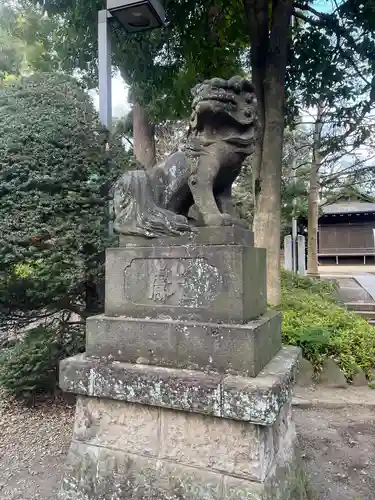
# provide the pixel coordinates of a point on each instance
(213, 38)
(27, 40)
(160, 66)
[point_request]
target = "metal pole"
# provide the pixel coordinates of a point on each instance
(294, 220)
(105, 83)
(105, 69)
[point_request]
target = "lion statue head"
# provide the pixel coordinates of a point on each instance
(224, 110)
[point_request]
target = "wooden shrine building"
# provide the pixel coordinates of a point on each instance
(346, 230)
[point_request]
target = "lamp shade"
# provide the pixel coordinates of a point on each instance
(137, 15)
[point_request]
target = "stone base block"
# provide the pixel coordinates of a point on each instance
(146, 432)
(208, 283)
(258, 400)
(130, 451)
(236, 349)
(205, 235)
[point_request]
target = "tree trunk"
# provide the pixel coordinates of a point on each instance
(143, 137)
(267, 214)
(313, 211)
(269, 51)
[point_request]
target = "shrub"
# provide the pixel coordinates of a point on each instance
(31, 366)
(55, 170)
(314, 320)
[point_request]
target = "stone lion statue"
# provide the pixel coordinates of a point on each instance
(199, 177)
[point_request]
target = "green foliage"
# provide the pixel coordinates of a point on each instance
(26, 41)
(349, 193)
(243, 194)
(325, 289)
(55, 171)
(30, 367)
(333, 69)
(314, 320)
(160, 65)
(294, 147)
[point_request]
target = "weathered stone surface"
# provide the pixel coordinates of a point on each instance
(222, 134)
(136, 211)
(190, 457)
(283, 432)
(213, 443)
(286, 481)
(117, 425)
(215, 283)
(359, 379)
(332, 375)
(305, 373)
(183, 329)
(96, 473)
(258, 400)
(238, 349)
(228, 446)
(226, 235)
(165, 387)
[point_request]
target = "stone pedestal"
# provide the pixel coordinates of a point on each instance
(184, 391)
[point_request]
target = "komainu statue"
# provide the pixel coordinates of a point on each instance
(221, 135)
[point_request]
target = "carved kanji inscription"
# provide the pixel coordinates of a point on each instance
(186, 282)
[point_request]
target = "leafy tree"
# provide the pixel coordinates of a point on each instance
(274, 74)
(159, 66)
(294, 182)
(11, 51)
(211, 37)
(334, 77)
(269, 37)
(55, 168)
(26, 41)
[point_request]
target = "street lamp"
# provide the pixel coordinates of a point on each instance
(134, 16)
(137, 15)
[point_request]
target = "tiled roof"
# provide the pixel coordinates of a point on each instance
(348, 207)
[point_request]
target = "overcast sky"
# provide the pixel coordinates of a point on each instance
(120, 104)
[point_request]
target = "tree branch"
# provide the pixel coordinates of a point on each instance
(329, 21)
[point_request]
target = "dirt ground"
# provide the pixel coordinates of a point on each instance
(33, 444)
(338, 449)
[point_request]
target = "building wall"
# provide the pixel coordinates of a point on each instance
(350, 238)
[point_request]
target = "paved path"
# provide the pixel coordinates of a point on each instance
(355, 287)
(352, 290)
(349, 270)
(367, 282)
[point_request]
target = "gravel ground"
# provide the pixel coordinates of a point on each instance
(33, 444)
(338, 449)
